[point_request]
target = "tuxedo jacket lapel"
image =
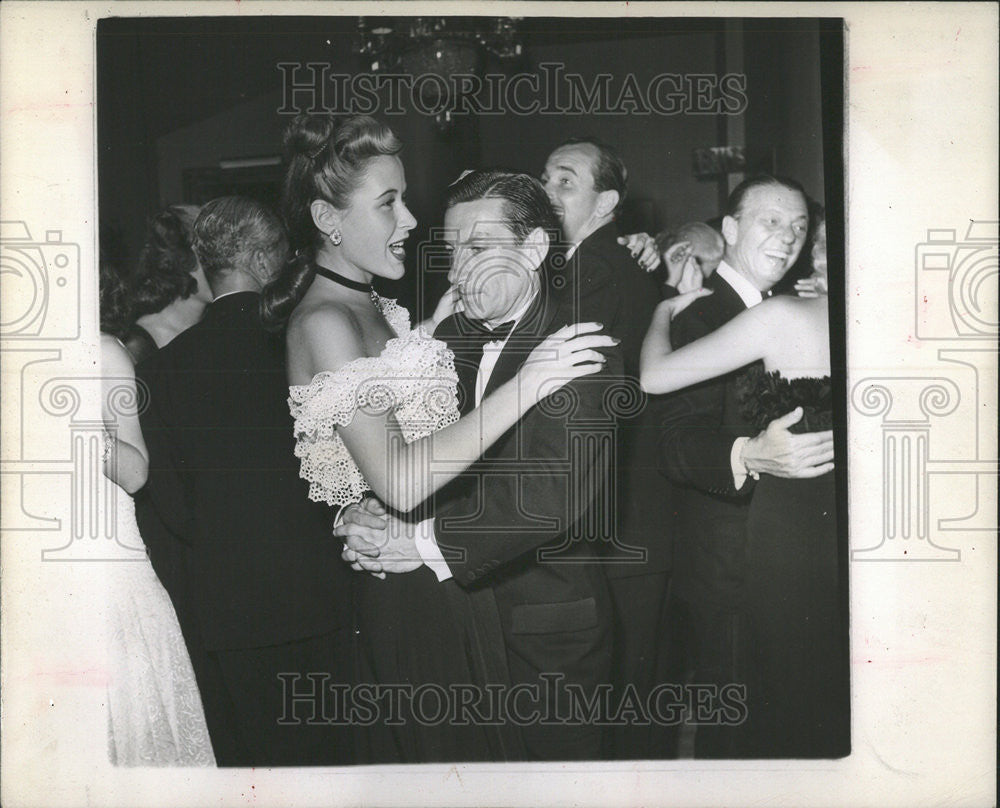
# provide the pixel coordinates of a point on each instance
(727, 300)
(531, 329)
(466, 339)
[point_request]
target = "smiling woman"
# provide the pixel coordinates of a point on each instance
(343, 199)
(361, 377)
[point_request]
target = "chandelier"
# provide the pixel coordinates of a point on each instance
(444, 46)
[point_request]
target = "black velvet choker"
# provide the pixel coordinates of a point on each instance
(337, 278)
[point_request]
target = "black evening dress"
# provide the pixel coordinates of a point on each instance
(798, 699)
(426, 649)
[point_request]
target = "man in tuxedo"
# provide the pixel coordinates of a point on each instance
(587, 182)
(713, 456)
(519, 525)
(260, 591)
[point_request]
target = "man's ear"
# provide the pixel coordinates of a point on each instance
(201, 278)
(536, 245)
(325, 216)
(261, 266)
(607, 201)
(730, 229)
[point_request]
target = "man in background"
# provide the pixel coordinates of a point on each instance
(587, 183)
(259, 586)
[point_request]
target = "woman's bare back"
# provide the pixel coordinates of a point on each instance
(796, 340)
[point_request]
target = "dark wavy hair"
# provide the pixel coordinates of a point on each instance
(115, 312)
(163, 272)
(327, 158)
(112, 292)
(526, 206)
(610, 173)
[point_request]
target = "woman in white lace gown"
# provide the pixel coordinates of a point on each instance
(155, 712)
(367, 391)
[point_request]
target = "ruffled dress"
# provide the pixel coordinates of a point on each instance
(155, 715)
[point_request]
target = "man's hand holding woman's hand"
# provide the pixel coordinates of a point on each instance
(375, 541)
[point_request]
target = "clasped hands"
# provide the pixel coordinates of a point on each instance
(375, 541)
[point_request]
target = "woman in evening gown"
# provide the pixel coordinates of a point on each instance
(154, 708)
(798, 695)
(367, 391)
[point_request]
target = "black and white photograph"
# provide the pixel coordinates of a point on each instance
(537, 310)
(432, 407)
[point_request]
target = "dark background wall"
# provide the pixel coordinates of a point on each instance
(178, 96)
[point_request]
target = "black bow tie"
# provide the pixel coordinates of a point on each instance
(502, 330)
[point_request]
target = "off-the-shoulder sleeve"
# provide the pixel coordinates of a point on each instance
(414, 378)
(318, 408)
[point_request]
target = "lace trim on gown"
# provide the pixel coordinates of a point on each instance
(765, 396)
(414, 378)
(155, 714)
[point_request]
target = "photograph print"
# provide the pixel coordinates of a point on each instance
(486, 389)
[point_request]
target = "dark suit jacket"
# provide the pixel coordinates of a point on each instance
(700, 424)
(616, 291)
(258, 562)
(520, 520)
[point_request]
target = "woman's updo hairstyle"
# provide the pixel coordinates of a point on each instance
(327, 158)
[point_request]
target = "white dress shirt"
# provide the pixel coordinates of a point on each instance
(234, 292)
(749, 294)
(424, 538)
